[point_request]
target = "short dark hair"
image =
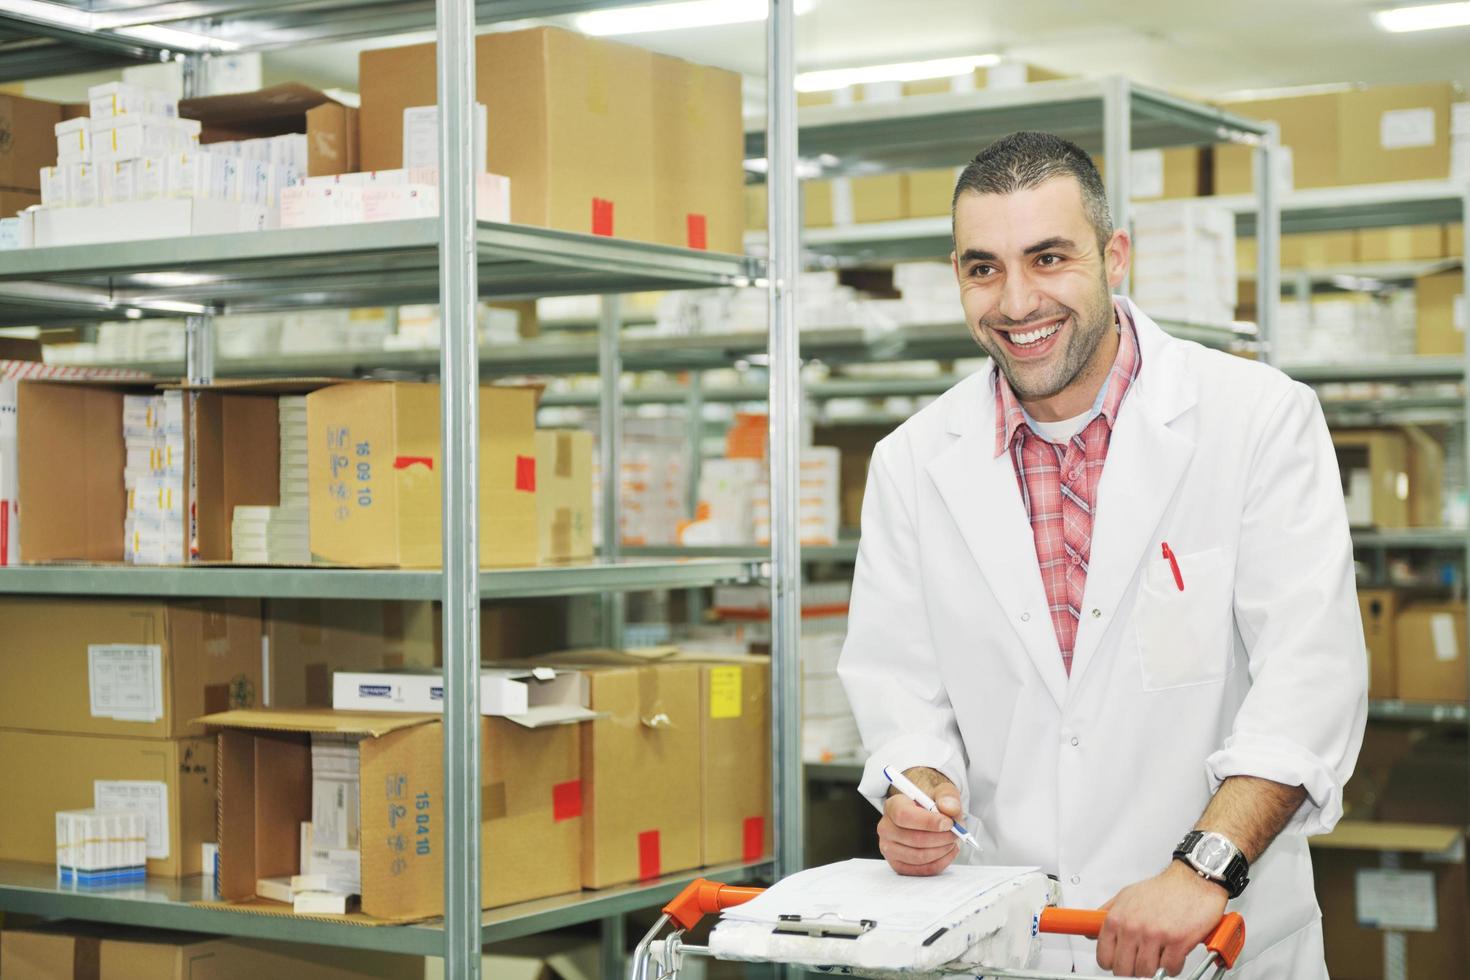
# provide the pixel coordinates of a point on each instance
(1024, 160)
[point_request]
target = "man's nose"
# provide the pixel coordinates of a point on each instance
(1018, 297)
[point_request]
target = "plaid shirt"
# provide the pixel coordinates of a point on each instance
(1059, 484)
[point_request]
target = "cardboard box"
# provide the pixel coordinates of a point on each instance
(929, 193)
(1454, 241)
(571, 124)
(531, 807)
(1429, 642)
(29, 126)
(735, 763)
(531, 697)
(1313, 249)
(1157, 175)
(1430, 783)
(137, 668)
(648, 741)
(14, 202)
(1374, 465)
(308, 639)
(1440, 313)
(139, 220)
(1007, 75)
(545, 956)
(755, 207)
(856, 444)
(867, 199)
(817, 204)
(698, 156)
(1426, 477)
(332, 140)
(97, 951)
(1401, 244)
(564, 510)
(1395, 133)
(1355, 889)
(1379, 608)
(375, 478)
(1310, 125)
(171, 781)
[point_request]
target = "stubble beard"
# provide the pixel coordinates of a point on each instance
(1081, 344)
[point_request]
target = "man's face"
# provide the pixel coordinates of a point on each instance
(1034, 284)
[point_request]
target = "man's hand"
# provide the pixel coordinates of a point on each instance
(1159, 922)
(913, 840)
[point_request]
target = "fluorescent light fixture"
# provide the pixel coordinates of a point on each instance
(171, 37)
(56, 15)
(649, 18)
(1285, 92)
(905, 71)
(1424, 17)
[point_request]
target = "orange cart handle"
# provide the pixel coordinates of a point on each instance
(703, 897)
(1226, 941)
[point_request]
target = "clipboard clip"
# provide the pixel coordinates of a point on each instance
(823, 927)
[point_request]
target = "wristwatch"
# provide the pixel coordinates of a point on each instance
(1213, 856)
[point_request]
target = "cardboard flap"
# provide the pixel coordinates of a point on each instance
(550, 715)
(266, 112)
(370, 723)
(259, 386)
(1351, 835)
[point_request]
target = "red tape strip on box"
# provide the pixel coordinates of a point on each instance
(566, 800)
(650, 864)
(526, 473)
(755, 839)
(602, 217)
(697, 228)
(4, 532)
(404, 462)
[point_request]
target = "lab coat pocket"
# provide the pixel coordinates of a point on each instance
(1184, 634)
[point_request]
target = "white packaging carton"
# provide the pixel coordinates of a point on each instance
(53, 188)
(129, 137)
(117, 182)
(81, 184)
(303, 207)
(145, 219)
(125, 99)
(396, 202)
(74, 140)
(421, 136)
(150, 177)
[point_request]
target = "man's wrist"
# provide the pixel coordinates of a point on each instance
(1183, 869)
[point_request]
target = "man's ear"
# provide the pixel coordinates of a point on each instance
(1116, 257)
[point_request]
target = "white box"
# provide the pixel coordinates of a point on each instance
(128, 137)
(138, 220)
(532, 698)
(9, 240)
(123, 99)
(398, 202)
(74, 140)
(53, 188)
(117, 182)
(306, 206)
(421, 136)
(81, 184)
(150, 177)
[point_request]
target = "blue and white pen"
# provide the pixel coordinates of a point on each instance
(906, 786)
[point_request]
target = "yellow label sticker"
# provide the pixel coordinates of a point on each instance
(724, 692)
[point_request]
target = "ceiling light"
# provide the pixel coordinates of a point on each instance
(1426, 17)
(170, 37)
(652, 17)
(906, 71)
(57, 15)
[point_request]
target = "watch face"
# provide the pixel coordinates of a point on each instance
(1213, 853)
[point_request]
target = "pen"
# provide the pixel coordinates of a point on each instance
(906, 786)
(1173, 566)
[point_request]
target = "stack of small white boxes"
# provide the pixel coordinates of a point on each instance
(735, 501)
(101, 847)
(331, 856)
(1184, 262)
(134, 147)
(279, 535)
(654, 482)
(819, 498)
(153, 436)
(1460, 140)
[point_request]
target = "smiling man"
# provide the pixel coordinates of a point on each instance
(1105, 602)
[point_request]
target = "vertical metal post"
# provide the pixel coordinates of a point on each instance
(459, 379)
(1465, 418)
(1268, 246)
(784, 273)
(199, 349)
(1118, 157)
(614, 947)
(610, 455)
(191, 71)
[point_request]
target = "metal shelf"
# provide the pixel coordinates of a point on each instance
(1452, 713)
(631, 575)
(1419, 202)
(372, 264)
(834, 772)
(1447, 367)
(1345, 276)
(1430, 538)
(842, 551)
(939, 130)
(168, 904)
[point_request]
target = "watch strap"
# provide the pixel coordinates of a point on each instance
(1235, 877)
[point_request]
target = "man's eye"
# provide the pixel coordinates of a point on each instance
(1050, 259)
(981, 271)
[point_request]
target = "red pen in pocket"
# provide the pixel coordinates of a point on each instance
(1174, 566)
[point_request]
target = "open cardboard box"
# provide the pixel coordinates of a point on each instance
(330, 126)
(530, 697)
(531, 799)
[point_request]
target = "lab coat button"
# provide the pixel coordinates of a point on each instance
(1097, 614)
(1076, 879)
(1076, 741)
(1025, 617)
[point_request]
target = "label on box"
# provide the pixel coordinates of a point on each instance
(125, 681)
(1147, 173)
(1459, 313)
(1442, 629)
(724, 692)
(138, 796)
(1398, 900)
(1402, 129)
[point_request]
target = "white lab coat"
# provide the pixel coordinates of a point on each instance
(1256, 668)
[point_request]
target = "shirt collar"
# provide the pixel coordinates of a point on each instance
(1010, 417)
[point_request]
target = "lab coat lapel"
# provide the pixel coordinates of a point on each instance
(1146, 460)
(979, 490)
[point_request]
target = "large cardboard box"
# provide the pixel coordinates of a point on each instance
(531, 799)
(308, 639)
(1440, 312)
(571, 124)
(698, 156)
(930, 193)
(1310, 125)
(1395, 132)
(1406, 243)
(1159, 175)
(29, 126)
(138, 668)
(817, 207)
(332, 140)
(735, 763)
(1362, 898)
(1430, 783)
(1430, 652)
(639, 764)
(869, 199)
(1311, 250)
(1007, 75)
(330, 126)
(1426, 477)
(96, 951)
(1374, 466)
(170, 781)
(856, 444)
(1454, 241)
(755, 207)
(14, 202)
(374, 460)
(1379, 608)
(545, 956)
(563, 495)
